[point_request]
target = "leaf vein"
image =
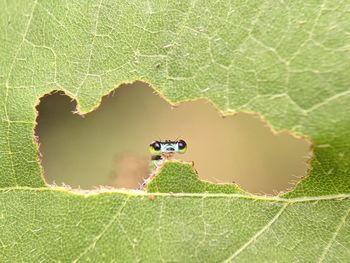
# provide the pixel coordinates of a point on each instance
(258, 234)
(199, 195)
(333, 237)
(104, 230)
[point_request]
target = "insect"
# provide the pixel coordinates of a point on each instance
(166, 149)
(161, 151)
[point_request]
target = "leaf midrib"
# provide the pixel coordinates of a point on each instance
(87, 194)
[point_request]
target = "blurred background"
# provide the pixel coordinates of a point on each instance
(109, 146)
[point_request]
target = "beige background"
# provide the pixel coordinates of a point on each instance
(110, 145)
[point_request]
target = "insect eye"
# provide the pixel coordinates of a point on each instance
(155, 146)
(182, 146)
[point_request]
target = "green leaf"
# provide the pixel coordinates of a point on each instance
(288, 61)
(180, 177)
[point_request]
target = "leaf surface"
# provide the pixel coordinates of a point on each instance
(288, 61)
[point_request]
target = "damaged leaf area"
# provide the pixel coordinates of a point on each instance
(288, 61)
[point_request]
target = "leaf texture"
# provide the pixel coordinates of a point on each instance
(288, 61)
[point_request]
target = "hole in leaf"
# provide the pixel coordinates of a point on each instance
(109, 146)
